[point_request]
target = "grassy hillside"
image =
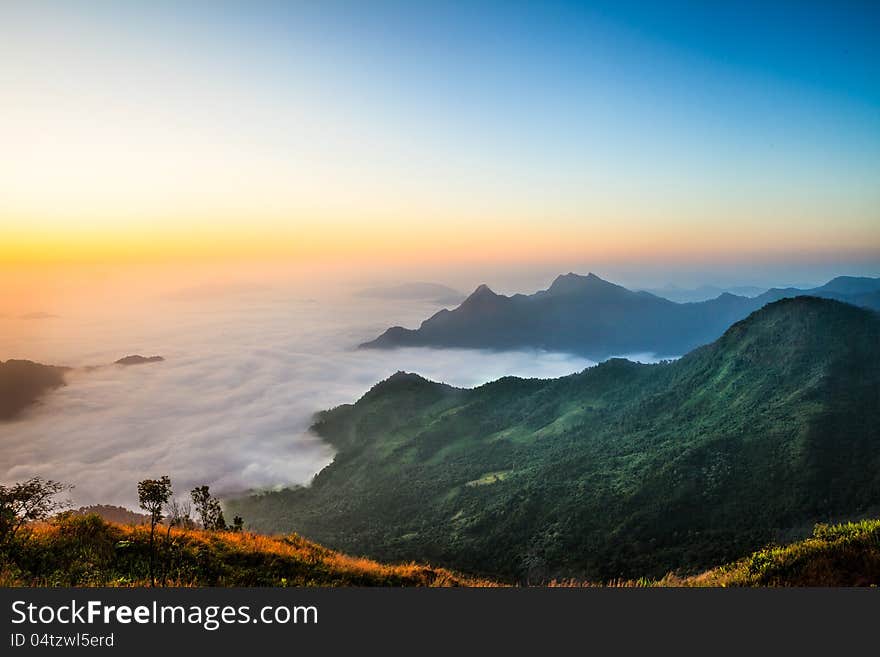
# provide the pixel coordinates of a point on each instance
(847, 554)
(84, 550)
(621, 471)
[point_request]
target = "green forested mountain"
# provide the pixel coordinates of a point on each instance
(592, 317)
(623, 470)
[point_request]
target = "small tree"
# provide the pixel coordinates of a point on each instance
(27, 501)
(208, 508)
(178, 516)
(153, 495)
(237, 524)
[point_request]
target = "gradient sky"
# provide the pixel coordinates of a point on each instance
(439, 132)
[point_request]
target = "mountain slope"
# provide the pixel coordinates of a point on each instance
(598, 319)
(22, 382)
(623, 470)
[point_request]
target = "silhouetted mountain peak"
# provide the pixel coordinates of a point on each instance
(482, 296)
(483, 290)
(851, 285)
(725, 298)
(572, 283)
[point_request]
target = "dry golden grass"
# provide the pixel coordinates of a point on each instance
(194, 557)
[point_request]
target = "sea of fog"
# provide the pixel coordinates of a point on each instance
(232, 403)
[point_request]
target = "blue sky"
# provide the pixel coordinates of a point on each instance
(698, 127)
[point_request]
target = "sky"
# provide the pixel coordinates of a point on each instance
(439, 134)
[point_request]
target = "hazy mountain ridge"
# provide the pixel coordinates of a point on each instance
(23, 382)
(703, 292)
(589, 316)
(113, 513)
(418, 291)
(623, 470)
(137, 359)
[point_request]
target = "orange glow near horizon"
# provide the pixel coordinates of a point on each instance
(427, 242)
(106, 273)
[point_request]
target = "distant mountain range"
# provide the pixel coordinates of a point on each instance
(111, 513)
(623, 470)
(597, 319)
(702, 293)
(418, 291)
(38, 315)
(22, 382)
